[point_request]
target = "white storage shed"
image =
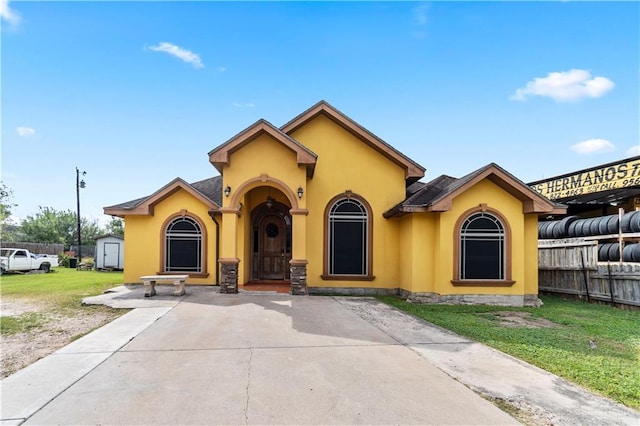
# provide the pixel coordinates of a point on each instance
(110, 252)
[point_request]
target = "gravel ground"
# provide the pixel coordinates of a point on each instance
(20, 350)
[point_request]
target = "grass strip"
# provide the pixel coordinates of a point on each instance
(23, 323)
(594, 346)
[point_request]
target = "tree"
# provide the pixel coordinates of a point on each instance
(115, 226)
(5, 202)
(58, 227)
(7, 229)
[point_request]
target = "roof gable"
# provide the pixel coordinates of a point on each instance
(413, 170)
(220, 156)
(204, 190)
(438, 195)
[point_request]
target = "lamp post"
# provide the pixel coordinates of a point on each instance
(79, 184)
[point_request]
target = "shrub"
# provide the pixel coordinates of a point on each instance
(63, 258)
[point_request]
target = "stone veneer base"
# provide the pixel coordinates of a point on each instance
(353, 291)
(229, 278)
(458, 299)
(473, 299)
(299, 279)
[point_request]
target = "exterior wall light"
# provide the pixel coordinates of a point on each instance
(227, 191)
(300, 192)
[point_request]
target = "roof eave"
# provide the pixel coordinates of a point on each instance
(413, 170)
(145, 208)
(221, 155)
(399, 211)
(532, 202)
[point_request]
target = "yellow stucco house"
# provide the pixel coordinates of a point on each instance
(325, 205)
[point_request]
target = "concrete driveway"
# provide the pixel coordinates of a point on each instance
(249, 359)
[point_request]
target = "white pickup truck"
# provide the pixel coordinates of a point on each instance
(20, 260)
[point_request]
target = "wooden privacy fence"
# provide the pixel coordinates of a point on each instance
(36, 248)
(571, 266)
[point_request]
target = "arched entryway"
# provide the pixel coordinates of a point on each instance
(271, 220)
(270, 241)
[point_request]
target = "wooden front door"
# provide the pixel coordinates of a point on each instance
(273, 257)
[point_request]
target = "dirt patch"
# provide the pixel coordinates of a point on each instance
(524, 412)
(15, 307)
(59, 329)
(521, 319)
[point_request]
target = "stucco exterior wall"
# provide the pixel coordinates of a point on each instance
(145, 236)
(428, 258)
(329, 157)
(406, 259)
(266, 157)
(531, 254)
(417, 256)
(495, 198)
(347, 163)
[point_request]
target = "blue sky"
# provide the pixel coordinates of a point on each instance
(137, 93)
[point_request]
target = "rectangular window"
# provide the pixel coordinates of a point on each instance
(348, 247)
(183, 255)
(483, 260)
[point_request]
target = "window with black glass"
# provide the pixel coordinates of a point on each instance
(183, 250)
(348, 233)
(482, 248)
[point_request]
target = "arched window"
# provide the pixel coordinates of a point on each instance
(183, 246)
(348, 239)
(482, 248)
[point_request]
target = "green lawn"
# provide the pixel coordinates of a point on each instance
(611, 368)
(60, 292)
(62, 286)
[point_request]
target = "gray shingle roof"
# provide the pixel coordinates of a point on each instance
(444, 186)
(420, 194)
(210, 188)
(430, 191)
(414, 187)
(128, 204)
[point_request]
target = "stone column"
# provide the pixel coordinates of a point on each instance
(298, 277)
(229, 275)
(228, 254)
(299, 252)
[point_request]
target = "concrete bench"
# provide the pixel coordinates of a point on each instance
(151, 280)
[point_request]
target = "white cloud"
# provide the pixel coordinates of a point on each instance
(564, 86)
(7, 14)
(25, 132)
(420, 19)
(633, 151)
(180, 53)
(222, 69)
(593, 146)
(420, 14)
(243, 104)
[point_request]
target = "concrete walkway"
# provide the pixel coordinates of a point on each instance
(206, 358)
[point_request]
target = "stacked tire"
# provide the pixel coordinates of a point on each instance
(557, 228)
(573, 226)
(610, 252)
(631, 253)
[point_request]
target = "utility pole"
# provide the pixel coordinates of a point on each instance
(79, 184)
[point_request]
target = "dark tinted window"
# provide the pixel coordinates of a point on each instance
(482, 248)
(348, 222)
(183, 250)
